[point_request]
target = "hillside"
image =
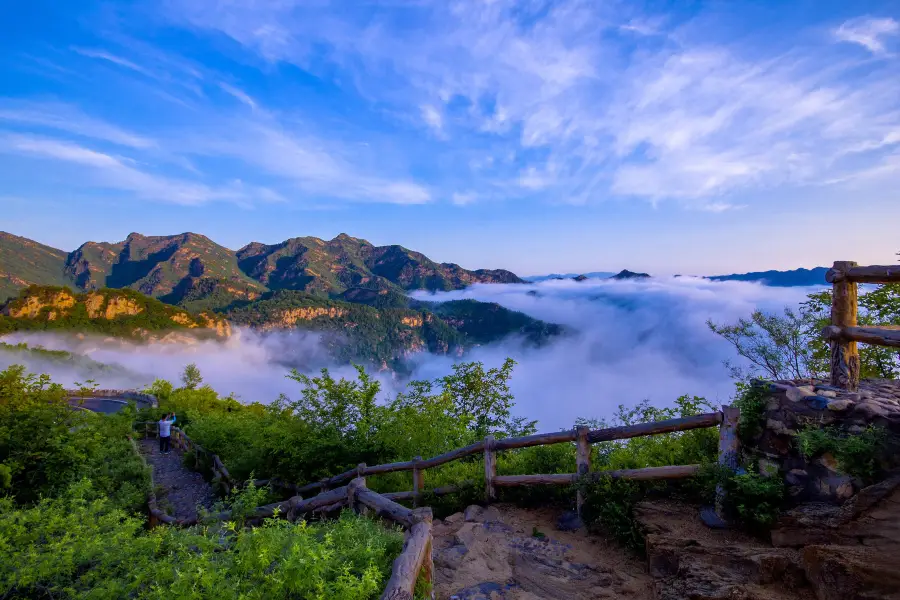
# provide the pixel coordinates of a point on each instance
(194, 272)
(24, 262)
(388, 335)
(124, 313)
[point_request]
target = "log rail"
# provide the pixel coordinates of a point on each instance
(349, 489)
(844, 333)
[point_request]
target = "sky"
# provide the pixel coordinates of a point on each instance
(574, 135)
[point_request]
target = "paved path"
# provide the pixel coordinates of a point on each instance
(179, 489)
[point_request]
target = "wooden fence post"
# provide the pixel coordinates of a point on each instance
(582, 460)
(490, 469)
(417, 480)
(427, 573)
(844, 312)
(729, 450)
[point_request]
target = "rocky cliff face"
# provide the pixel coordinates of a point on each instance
(123, 312)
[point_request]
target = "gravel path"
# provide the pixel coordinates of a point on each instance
(182, 490)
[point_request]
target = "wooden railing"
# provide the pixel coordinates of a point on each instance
(582, 436)
(416, 560)
(843, 333)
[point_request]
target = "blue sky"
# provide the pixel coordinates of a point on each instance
(692, 137)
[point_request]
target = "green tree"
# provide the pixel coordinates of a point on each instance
(484, 396)
(191, 377)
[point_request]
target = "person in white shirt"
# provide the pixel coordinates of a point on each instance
(165, 433)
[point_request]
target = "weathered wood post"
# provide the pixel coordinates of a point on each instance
(352, 494)
(424, 515)
(490, 469)
(729, 450)
(844, 311)
(417, 480)
(582, 459)
(360, 483)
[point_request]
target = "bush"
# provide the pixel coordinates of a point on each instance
(45, 445)
(81, 546)
(751, 500)
(858, 455)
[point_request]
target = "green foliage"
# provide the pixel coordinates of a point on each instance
(750, 499)
(484, 397)
(751, 399)
(776, 345)
(81, 546)
(792, 347)
(191, 377)
(857, 454)
(610, 503)
(45, 445)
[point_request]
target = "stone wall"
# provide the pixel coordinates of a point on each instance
(792, 406)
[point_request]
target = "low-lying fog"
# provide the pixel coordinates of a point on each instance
(635, 339)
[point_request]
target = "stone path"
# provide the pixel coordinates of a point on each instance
(179, 490)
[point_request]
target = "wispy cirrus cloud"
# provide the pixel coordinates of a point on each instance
(63, 117)
(874, 34)
(620, 103)
(119, 173)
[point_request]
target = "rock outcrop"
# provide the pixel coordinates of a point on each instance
(498, 553)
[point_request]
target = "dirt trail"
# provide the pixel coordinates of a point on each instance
(493, 554)
(179, 491)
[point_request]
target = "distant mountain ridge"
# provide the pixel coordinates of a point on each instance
(793, 278)
(191, 270)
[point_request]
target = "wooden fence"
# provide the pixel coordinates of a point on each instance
(414, 561)
(844, 333)
(416, 556)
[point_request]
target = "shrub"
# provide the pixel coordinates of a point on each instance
(45, 445)
(858, 455)
(81, 546)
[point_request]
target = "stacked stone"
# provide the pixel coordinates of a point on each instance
(795, 405)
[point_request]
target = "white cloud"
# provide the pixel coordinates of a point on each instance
(109, 57)
(674, 117)
(67, 118)
(869, 32)
(238, 93)
(117, 173)
(433, 118)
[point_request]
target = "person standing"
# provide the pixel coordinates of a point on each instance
(165, 433)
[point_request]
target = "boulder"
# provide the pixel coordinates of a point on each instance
(849, 572)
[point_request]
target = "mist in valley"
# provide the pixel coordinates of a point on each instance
(627, 341)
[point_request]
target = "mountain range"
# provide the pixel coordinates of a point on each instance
(192, 271)
(351, 291)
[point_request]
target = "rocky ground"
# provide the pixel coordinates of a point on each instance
(179, 490)
(509, 553)
(818, 552)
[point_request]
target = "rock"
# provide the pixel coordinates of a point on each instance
(779, 428)
(796, 477)
(569, 521)
(826, 393)
(455, 518)
(840, 405)
(481, 514)
(845, 572)
(817, 402)
(685, 568)
(796, 394)
(487, 590)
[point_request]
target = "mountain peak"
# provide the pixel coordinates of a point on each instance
(626, 274)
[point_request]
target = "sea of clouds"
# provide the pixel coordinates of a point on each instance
(630, 340)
